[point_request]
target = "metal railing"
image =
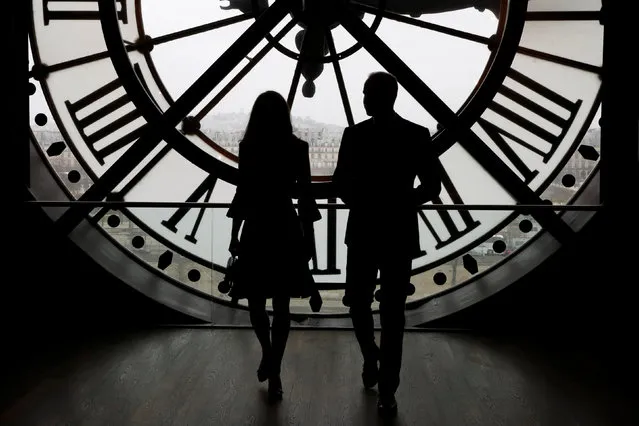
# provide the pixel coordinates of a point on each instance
(322, 206)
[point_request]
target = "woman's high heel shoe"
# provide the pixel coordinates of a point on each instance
(264, 370)
(275, 391)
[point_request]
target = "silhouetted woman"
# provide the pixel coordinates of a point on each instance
(275, 245)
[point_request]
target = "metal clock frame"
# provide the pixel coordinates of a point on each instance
(431, 308)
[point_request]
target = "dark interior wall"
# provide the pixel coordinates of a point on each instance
(582, 287)
(55, 299)
(71, 291)
(580, 305)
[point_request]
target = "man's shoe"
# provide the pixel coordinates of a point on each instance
(387, 406)
(275, 391)
(370, 373)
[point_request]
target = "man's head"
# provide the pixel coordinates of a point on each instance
(380, 92)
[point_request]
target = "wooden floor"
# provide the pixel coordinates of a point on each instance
(182, 376)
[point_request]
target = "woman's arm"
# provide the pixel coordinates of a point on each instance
(429, 171)
(307, 206)
(237, 211)
(341, 178)
(235, 236)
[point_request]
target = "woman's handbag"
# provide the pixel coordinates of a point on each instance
(226, 285)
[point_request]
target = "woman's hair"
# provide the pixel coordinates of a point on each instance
(270, 118)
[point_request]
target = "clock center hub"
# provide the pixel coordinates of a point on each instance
(321, 13)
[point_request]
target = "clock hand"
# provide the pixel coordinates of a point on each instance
(145, 44)
(158, 123)
(443, 114)
(245, 6)
(242, 73)
(340, 78)
(488, 41)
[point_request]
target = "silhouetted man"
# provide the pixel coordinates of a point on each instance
(378, 162)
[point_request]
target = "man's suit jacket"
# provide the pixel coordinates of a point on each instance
(375, 177)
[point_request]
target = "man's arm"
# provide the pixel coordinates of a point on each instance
(307, 207)
(429, 170)
(341, 178)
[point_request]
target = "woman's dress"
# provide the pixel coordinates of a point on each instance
(273, 254)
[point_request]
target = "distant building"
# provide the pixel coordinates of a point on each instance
(323, 145)
(323, 148)
(580, 167)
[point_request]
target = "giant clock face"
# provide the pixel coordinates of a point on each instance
(146, 101)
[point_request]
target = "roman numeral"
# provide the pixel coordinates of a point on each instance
(331, 245)
(523, 125)
(77, 10)
(107, 139)
(454, 231)
(201, 194)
